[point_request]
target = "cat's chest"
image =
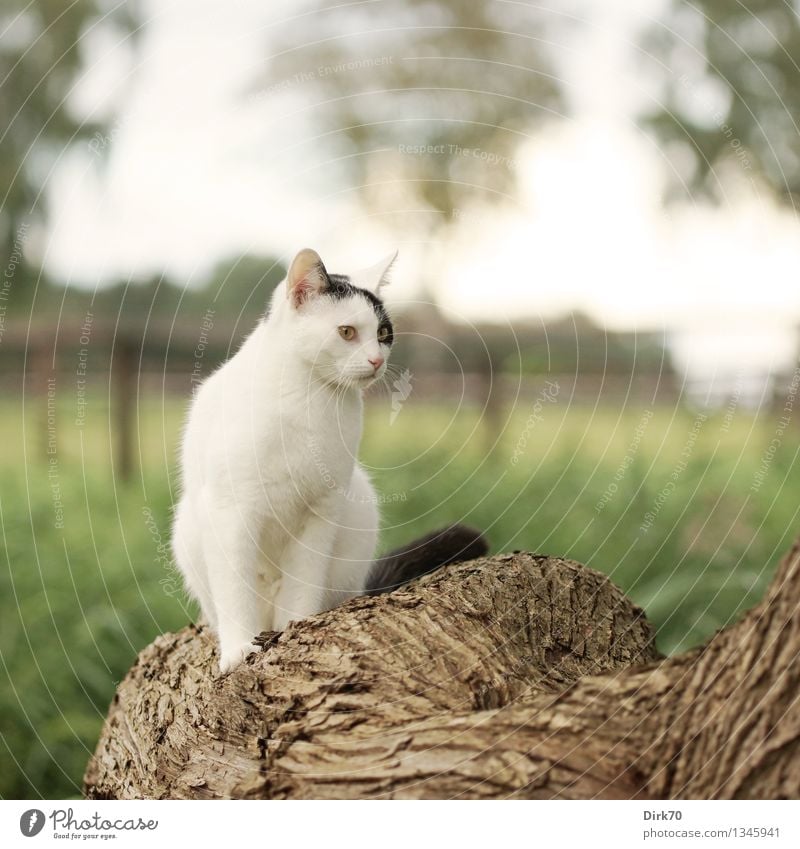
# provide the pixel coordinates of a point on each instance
(320, 442)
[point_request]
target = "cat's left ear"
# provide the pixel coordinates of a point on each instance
(376, 276)
(307, 277)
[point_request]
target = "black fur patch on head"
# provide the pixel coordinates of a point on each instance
(340, 287)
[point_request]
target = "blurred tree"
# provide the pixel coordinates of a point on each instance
(566, 346)
(426, 102)
(164, 319)
(41, 53)
(732, 92)
(242, 286)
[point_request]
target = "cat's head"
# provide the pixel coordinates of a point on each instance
(338, 323)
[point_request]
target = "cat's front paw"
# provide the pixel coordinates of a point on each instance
(231, 656)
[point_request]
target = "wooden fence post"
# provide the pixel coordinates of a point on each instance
(123, 412)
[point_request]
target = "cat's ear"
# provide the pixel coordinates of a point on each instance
(376, 276)
(307, 277)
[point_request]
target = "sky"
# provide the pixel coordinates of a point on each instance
(191, 173)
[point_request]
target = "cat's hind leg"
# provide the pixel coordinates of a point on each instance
(356, 540)
(187, 548)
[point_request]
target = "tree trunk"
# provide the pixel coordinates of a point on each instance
(510, 676)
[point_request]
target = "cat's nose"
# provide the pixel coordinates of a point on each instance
(375, 362)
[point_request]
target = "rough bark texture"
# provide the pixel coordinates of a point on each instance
(510, 676)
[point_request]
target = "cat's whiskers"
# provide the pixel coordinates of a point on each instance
(391, 371)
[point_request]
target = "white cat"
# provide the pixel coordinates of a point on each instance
(277, 519)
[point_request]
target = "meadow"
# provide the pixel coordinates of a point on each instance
(688, 512)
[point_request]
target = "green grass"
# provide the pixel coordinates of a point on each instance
(79, 601)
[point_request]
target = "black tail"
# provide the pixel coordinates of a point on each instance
(447, 545)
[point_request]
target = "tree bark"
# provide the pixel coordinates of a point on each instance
(510, 676)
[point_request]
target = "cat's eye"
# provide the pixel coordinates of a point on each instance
(383, 333)
(347, 332)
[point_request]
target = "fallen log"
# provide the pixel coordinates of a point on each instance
(510, 676)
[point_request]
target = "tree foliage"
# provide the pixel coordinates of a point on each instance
(428, 101)
(42, 53)
(732, 92)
